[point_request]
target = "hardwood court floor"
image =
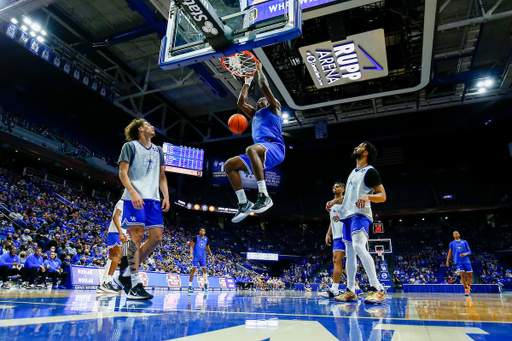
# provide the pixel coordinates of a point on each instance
(250, 316)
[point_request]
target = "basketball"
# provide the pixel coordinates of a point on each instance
(237, 123)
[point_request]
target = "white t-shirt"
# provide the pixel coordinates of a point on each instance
(112, 227)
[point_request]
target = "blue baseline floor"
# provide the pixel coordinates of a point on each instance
(249, 316)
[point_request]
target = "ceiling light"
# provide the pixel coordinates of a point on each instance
(40, 39)
(27, 21)
(32, 33)
(14, 21)
(481, 90)
(36, 27)
(480, 84)
(286, 121)
(43, 32)
(488, 82)
(24, 28)
(285, 115)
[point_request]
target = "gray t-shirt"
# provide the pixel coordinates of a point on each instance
(144, 171)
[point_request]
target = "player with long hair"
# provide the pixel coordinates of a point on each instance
(267, 151)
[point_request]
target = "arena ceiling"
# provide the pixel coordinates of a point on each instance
(122, 39)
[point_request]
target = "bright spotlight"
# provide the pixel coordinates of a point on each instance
(32, 33)
(14, 21)
(285, 115)
(43, 32)
(488, 82)
(286, 121)
(36, 27)
(40, 39)
(27, 21)
(480, 84)
(24, 28)
(481, 90)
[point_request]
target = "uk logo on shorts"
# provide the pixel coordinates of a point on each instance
(143, 278)
(133, 218)
(174, 280)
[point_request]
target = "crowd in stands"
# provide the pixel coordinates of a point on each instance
(11, 118)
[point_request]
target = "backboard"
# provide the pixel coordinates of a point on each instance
(195, 35)
(380, 244)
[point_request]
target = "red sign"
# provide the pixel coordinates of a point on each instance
(200, 281)
(223, 283)
(174, 280)
(143, 277)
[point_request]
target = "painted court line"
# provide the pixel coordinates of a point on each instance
(281, 314)
(68, 318)
(412, 313)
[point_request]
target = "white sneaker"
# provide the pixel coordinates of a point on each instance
(329, 293)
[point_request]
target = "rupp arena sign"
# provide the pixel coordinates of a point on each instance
(360, 57)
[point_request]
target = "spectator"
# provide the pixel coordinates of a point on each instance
(10, 265)
(35, 268)
(55, 271)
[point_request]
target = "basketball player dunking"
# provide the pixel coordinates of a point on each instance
(267, 151)
(363, 186)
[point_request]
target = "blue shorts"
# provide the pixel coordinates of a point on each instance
(464, 267)
(199, 262)
(149, 216)
(355, 224)
(113, 240)
(273, 156)
(338, 245)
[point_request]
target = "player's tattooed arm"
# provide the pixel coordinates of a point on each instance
(242, 99)
(333, 202)
(275, 106)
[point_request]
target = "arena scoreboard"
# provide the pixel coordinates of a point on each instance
(183, 160)
(262, 256)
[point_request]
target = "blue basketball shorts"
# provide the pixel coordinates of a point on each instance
(464, 267)
(113, 240)
(355, 224)
(149, 216)
(199, 262)
(338, 245)
(274, 155)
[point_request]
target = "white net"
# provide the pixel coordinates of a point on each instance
(240, 64)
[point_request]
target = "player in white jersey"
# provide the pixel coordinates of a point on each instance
(115, 239)
(141, 170)
(363, 186)
(338, 246)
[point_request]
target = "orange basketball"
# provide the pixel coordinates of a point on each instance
(237, 123)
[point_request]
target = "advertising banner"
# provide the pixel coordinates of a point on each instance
(90, 277)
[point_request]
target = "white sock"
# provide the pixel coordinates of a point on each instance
(190, 283)
(135, 279)
(127, 272)
(335, 287)
(262, 187)
(359, 242)
(351, 267)
(107, 270)
(242, 199)
(205, 279)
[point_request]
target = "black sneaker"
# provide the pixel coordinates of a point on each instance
(126, 283)
(139, 293)
(263, 204)
(106, 287)
(243, 211)
(5, 286)
(329, 293)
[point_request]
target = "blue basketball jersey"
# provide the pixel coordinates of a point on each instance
(459, 247)
(200, 247)
(267, 127)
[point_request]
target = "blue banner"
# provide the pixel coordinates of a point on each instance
(11, 31)
(47, 53)
(35, 46)
(90, 276)
(67, 66)
(86, 80)
(77, 74)
(57, 60)
(219, 177)
(24, 38)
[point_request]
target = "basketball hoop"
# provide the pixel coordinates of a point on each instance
(241, 64)
(380, 253)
